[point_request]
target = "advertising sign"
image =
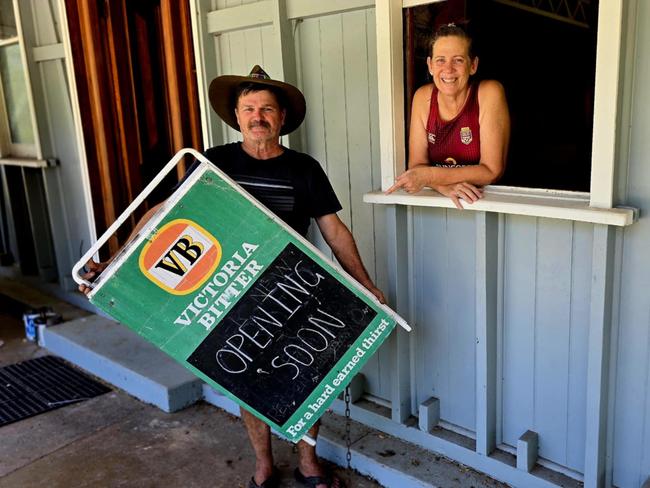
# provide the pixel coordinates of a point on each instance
(228, 290)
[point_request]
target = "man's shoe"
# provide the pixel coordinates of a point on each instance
(314, 481)
(272, 481)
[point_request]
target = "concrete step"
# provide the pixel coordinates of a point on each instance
(120, 357)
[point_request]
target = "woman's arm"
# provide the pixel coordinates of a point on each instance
(494, 121)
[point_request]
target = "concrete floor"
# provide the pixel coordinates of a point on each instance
(117, 440)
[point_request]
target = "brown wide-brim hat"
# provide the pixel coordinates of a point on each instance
(222, 98)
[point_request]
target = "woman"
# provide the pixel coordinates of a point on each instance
(459, 133)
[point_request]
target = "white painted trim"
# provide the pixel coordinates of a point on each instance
(606, 102)
(598, 356)
(261, 13)
(534, 206)
(304, 9)
(25, 162)
(242, 17)
(417, 3)
(198, 39)
(487, 249)
(38, 152)
(9, 41)
(390, 88)
(48, 53)
(76, 115)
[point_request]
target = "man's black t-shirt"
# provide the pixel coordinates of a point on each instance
(292, 185)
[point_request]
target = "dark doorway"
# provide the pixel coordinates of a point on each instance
(547, 63)
(134, 67)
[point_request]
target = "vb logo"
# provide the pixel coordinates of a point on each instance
(180, 257)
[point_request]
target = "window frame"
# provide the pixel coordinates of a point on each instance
(12, 153)
(607, 103)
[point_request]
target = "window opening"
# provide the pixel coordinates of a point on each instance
(545, 56)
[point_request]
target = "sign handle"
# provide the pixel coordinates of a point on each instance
(309, 440)
(127, 213)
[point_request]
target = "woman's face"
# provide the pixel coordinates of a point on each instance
(450, 64)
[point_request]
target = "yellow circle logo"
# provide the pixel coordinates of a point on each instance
(180, 257)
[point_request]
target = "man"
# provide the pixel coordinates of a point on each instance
(294, 187)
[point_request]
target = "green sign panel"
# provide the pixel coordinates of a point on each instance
(227, 289)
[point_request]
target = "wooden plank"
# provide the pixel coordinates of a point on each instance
(308, 40)
(598, 361)
(48, 53)
(206, 48)
(390, 89)
(578, 343)
(304, 9)
(606, 100)
(520, 203)
(520, 246)
(398, 249)
(430, 335)
(284, 51)
(336, 128)
(487, 270)
(355, 58)
(240, 17)
(552, 325)
(459, 407)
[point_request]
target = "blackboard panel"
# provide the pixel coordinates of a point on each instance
(283, 336)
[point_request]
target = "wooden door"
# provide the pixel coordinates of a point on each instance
(134, 68)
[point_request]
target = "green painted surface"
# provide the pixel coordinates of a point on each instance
(264, 319)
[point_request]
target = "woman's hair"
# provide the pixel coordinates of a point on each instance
(453, 29)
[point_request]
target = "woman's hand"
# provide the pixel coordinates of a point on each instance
(412, 180)
(460, 191)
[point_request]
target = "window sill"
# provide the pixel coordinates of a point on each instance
(27, 162)
(518, 201)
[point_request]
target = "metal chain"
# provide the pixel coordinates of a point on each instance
(348, 441)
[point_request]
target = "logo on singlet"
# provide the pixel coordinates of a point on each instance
(465, 135)
(431, 137)
(180, 256)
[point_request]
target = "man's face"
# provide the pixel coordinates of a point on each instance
(259, 116)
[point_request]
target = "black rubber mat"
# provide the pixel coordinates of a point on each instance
(42, 384)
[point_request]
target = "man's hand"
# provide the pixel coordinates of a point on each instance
(461, 191)
(377, 292)
(412, 180)
(94, 269)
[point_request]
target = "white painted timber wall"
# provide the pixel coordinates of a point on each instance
(629, 449)
(66, 186)
(511, 313)
(335, 67)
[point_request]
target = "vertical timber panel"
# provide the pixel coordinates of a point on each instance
(460, 406)
(398, 250)
(359, 162)
(598, 362)
(578, 340)
(430, 336)
(445, 339)
(552, 311)
(334, 108)
(631, 395)
(487, 231)
(309, 42)
(520, 254)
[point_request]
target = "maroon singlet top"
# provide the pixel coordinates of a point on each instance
(456, 141)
